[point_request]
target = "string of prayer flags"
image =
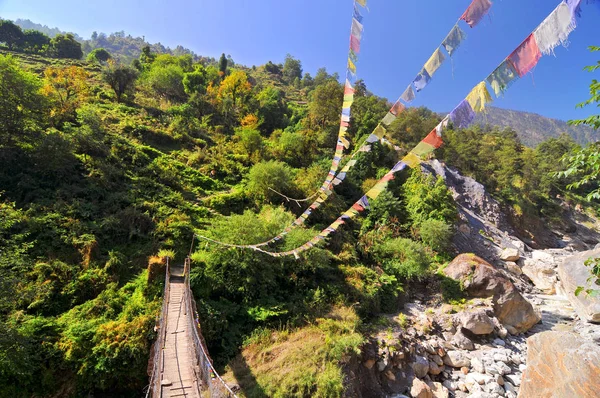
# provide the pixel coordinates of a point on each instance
(555, 29)
(396, 109)
(479, 97)
(434, 62)
(408, 95)
(421, 80)
(476, 11)
(411, 160)
(526, 56)
(354, 44)
(454, 39)
(502, 77)
(463, 115)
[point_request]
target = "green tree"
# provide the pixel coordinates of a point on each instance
(325, 103)
(271, 109)
(428, 198)
(196, 81)
(10, 34)
(223, 65)
(35, 41)
(98, 55)
(65, 46)
(292, 68)
(20, 100)
(269, 175)
(166, 82)
(120, 78)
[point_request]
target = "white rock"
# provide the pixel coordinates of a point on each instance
(503, 368)
(477, 365)
(522, 368)
(457, 359)
(510, 254)
(510, 395)
(515, 380)
(493, 388)
(500, 357)
(477, 378)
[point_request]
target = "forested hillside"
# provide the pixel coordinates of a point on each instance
(534, 129)
(107, 168)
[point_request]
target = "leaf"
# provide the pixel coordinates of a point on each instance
(578, 290)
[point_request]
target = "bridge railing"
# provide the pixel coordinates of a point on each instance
(210, 381)
(158, 354)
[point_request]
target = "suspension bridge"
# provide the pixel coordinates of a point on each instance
(180, 365)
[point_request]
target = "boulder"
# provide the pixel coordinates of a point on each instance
(457, 359)
(573, 273)
(542, 274)
(420, 390)
(510, 254)
(434, 369)
(481, 279)
(421, 366)
(463, 342)
(438, 390)
(560, 364)
(512, 267)
(477, 322)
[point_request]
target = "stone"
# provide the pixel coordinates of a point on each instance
(438, 390)
(512, 267)
(437, 359)
(477, 378)
(542, 274)
(560, 364)
(510, 254)
(369, 363)
(498, 357)
(464, 370)
(499, 379)
(509, 388)
(573, 273)
(450, 385)
(515, 379)
(421, 366)
(499, 342)
(462, 386)
(493, 388)
(481, 279)
(477, 365)
(461, 341)
(457, 359)
(420, 389)
(522, 368)
(510, 394)
(477, 322)
(503, 368)
(434, 369)
(519, 244)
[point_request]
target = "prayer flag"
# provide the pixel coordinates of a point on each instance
(397, 108)
(379, 131)
(345, 142)
(421, 80)
(434, 62)
(345, 118)
(454, 39)
(479, 97)
(365, 148)
(442, 126)
(346, 104)
(352, 55)
(348, 97)
(357, 14)
(356, 206)
(575, 8)
(364, 202)
(372, 138)
(526, 56)
(362, 2)
(351, 163)
(351, 66)
(501, 78)
(433, 139)
(357, 29)
(346, 112)
(398, 166)
(354, 44)
(408, 95)
(476, 12)
(462, 115)
(388, 119)
(423, 149)
(555, 29)
(348, 89)
(411, 160)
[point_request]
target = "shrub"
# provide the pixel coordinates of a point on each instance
(435, 234)
(403, 258)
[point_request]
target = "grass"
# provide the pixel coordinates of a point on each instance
(298, 363)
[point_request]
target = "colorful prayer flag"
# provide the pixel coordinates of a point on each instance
(555, 29)
(362, 2)
(397, 108)
(433, 139)
(355, 44)
(408, 95)
(388, 119)
(421, 80)
(479, 97)
(372, 138)
(411, 160)
(501, 78)
(434, 62)
(379, 131)
(351, 66)
(357, 29)
(357, 14)
(526, 56)
(454, 39)
(476, 12)
(462, 116)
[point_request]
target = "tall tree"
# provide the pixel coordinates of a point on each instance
(34, 40)
(65, 46)
(325, 103)
(223, 64)
(292, 68)
(119, 77)
(10, 34)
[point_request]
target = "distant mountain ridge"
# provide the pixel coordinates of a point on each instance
(533, 128)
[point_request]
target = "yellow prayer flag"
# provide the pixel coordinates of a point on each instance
(346, 104)
(362, 2)
(351, 66)
(479, 97)
(379, 131)
(411, 160)
(434, 62)
(345, 142)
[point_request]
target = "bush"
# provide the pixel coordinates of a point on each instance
(271, 174)
(435, 234)
(403, 258)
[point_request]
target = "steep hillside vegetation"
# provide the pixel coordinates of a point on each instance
(534, 129)
(106, 169)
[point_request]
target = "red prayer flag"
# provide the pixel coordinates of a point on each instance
(433, 139)
(476, 12)
(357, 207)
(348, 89)
(526, 56)
(397, 108)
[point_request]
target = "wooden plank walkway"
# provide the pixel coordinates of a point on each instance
(177, 376)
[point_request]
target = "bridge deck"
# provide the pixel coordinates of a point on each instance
(177, 376)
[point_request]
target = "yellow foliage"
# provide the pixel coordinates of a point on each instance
(250, 121)
(66, 87)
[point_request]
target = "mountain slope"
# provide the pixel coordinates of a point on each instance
(533, 128)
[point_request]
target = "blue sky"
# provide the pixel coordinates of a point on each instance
(399, 37)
